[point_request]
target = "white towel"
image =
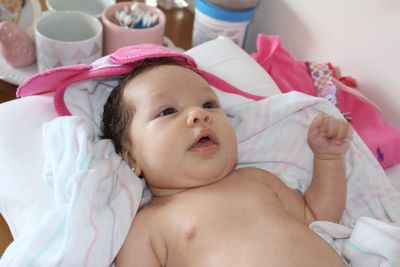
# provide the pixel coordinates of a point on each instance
(96, 197)
(370, 243)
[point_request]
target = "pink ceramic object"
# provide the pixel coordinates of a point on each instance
(115, 36)
(17, 47)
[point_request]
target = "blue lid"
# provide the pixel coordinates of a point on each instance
(220, 13)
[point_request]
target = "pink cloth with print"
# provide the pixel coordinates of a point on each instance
(381, 137)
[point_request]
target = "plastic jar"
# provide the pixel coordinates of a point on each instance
(235, 4)
(211, 21)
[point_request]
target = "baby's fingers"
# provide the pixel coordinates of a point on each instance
(343, 131)
(315, 126)
(330, 127)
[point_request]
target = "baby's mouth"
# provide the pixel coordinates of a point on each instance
(206, 142)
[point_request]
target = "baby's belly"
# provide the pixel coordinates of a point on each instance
(245, 236)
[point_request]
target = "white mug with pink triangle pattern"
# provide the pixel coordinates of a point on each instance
(67, 38)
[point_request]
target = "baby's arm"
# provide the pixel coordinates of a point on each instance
(137, 249)
(326, 196)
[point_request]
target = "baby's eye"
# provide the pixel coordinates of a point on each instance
(167, 111)
(210, 104)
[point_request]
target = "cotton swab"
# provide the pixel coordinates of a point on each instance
(136, 18)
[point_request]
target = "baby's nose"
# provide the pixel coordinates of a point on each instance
(197, 116)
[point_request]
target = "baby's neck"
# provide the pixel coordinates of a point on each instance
(168, 192)
(165, 192)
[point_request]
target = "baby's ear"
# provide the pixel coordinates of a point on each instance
(128, 157)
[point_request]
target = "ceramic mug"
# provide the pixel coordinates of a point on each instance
(91, 7)
(116, 36)
(67, 38)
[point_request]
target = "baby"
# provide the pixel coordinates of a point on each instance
(168, 124)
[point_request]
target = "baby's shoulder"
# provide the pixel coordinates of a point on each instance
(156, 209)
(254, 172)
(258, 175)
(150, 210)
(147, 218)
(143, 216)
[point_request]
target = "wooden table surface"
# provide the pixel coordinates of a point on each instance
(178, 28)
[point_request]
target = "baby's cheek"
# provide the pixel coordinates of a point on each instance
(161, 150)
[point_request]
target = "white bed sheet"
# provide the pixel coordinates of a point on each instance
(394, 176)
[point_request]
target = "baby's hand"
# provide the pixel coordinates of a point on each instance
(327, 136)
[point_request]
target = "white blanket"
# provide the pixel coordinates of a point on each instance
(97, 195)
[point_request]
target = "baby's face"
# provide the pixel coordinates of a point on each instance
(180, 136)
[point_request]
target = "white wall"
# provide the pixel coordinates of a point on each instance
(361, 37)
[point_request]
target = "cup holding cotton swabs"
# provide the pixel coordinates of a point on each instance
(131, 23)
(135, 18)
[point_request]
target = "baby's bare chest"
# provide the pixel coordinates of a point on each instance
(234, 204)
(240, 219)
(238, 224)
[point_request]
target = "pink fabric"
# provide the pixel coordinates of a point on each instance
(288, 74)
(226, 87)
(120, 62)
(381, 137)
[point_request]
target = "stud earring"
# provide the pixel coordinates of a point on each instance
(133, 169)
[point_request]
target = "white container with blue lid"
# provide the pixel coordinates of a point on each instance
(211, 21)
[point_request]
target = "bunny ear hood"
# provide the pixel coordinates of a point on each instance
(122, 61)
(135, 54)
